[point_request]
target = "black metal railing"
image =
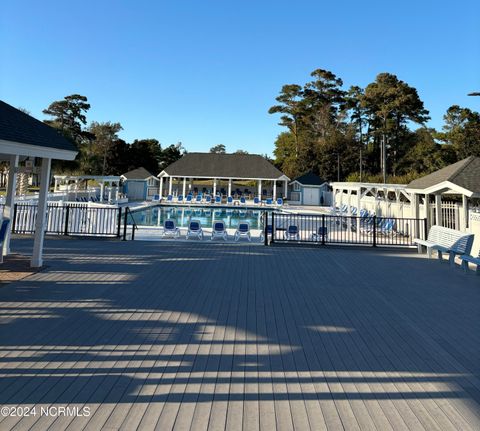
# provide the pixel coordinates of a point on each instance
(68, 219)
(325, 229)
(128, 212)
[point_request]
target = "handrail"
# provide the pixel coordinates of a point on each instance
(134, 225)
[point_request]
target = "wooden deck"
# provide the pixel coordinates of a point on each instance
(241, 337)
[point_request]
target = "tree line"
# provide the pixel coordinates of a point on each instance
(377, 133)
(100, 150)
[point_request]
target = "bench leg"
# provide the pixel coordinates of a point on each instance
(419, 249)
(465, 265)
(429, 252)
(451, 259)
(439, 254)
(478, 270)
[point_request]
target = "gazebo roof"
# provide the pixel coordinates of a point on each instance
(462, 176)
(212, 165)
(138, 174)
(24, 135)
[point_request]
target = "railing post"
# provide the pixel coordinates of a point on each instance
(374, 231)
(66, 220)
(14, 218)
(125, 225)
(273, 228)
(323, 229)
(265, 228)
(119, 222)
(425, 228)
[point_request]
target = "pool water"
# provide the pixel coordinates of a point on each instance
(155, 216)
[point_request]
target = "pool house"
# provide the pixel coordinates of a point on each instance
(139, 184)
(309, 189)
(248, 175)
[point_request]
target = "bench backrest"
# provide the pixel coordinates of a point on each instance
(460, 242)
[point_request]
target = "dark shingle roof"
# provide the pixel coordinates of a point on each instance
(138, 174)
(213, 165)
(19, 127)
(465, 173)
(310, 179)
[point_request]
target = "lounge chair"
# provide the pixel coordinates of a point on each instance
(194, 229)
(219, 230)
(243, 230)
(269, 202)
(279, 202)
(243, 201)
(155, 198)
(320, 234)
(189, 199)
(208, 199)
(170, 229)
(198, 199)
(218, 199)
(269, 232)
(292, 233)
(229, 200)
(180, 198)
(170, 198)
(256, 201)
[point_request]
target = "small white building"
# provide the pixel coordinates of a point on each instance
(139, 184)
(309, 189)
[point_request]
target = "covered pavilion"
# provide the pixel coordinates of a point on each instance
(223, 167)
(23, 137)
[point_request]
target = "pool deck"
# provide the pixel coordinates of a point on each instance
(177, 335)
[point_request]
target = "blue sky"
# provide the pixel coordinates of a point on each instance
(206, 72)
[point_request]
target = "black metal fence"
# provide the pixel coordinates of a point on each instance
(338, 229)
(69, 219)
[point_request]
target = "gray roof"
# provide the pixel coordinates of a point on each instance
(465, 173)
(310, 179)
(16, 126)
(212, 165)
(138, 174)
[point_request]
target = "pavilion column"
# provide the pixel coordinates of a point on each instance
(10, 201)
(160, 188)
(427, 212)
(285, 192)
(416, 216)
(349, 209)
(359, 195)
(214, 187)
(102, 190)
(37, 257)
(438, 210)
(110, 193)
(274, 190)
(117, 191)
(56, 185)
(184, 188)
(229, 187)
(170, 185)
(260, 189)
(465, 212)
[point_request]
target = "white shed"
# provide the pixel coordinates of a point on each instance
(309, 189)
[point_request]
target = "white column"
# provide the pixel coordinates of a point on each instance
(37, 257)
(117, 191)
(465, 212)
(274, 190)
(184, 186)
(427, 211)
(170, 185)
(56, 185)
(438, 209)
(230, 187)
(260, 189)
(160, 189)
(285, 190)
(10, 200)
(102, 189)
(110, 193)
(214, 187)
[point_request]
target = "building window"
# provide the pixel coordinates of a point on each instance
(296, 187)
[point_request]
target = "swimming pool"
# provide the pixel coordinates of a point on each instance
(155, 216)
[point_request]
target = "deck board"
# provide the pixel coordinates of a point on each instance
(214, 336)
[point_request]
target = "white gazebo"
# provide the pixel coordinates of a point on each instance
(22, 137)
(222, 167)
(72, 184)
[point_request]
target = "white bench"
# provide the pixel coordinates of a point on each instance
(475, 260)
(445, 240)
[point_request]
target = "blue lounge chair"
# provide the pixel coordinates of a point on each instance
(320, 234)
(169, 198)
(198, 199)
(170, 229)
(243, 230)
(269, 202)
(218, 200)
(279, 202)
(156, 198)
(208, 199)
(219, 230)
(189, 199)
(195, 230)
(229, 200)
(243, 201)
(256, 201)
(180, 198)
(292, 233)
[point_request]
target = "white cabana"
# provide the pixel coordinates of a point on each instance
(109, 185)
(22, 137)
(223, 167)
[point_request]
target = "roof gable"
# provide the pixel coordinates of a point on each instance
(464, 173)
(18, 127)
(138, 174)
(212, 165)
(309, 179)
